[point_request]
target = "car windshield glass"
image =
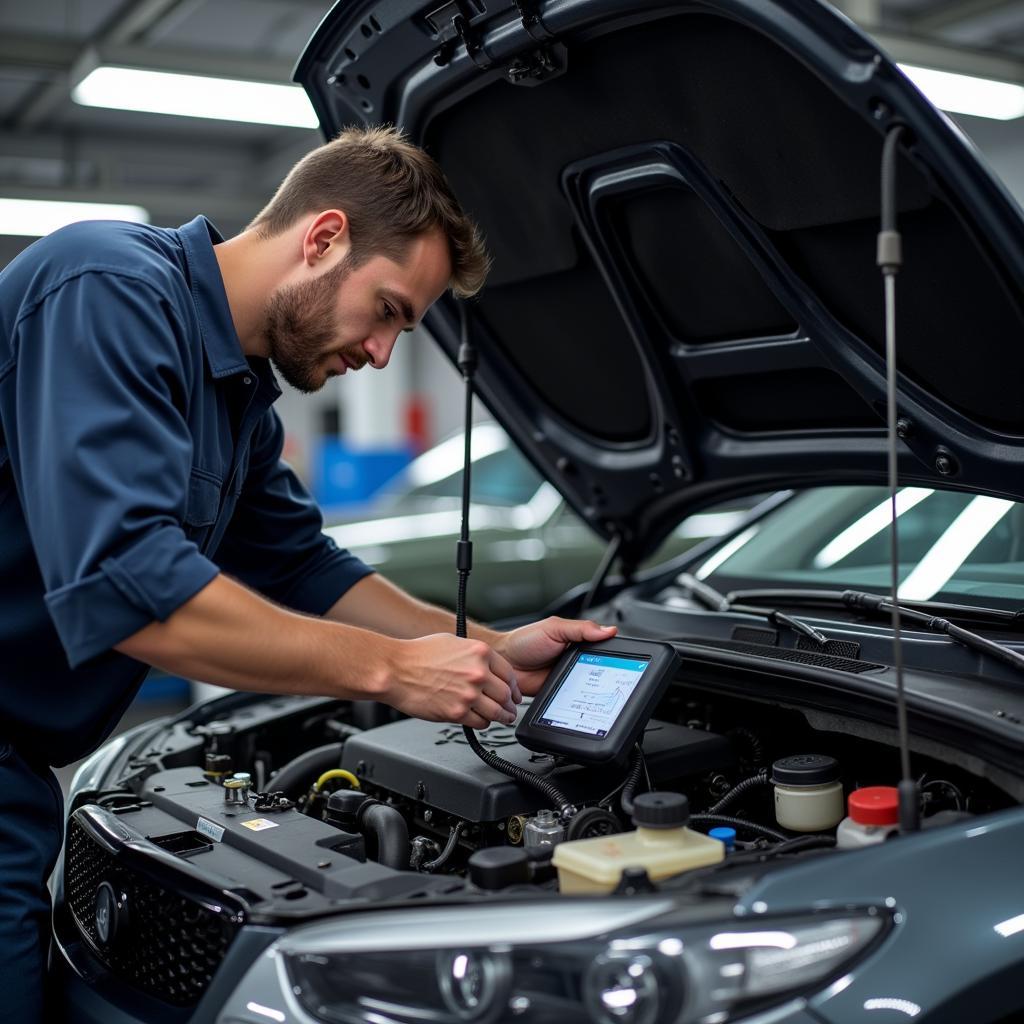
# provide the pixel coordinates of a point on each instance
(957, 547)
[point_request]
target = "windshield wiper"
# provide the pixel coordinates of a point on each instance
(858, 600)
(718, 602)
(815, 596)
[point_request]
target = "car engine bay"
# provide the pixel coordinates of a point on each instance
(274, 810)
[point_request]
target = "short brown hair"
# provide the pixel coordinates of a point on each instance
(391, 190)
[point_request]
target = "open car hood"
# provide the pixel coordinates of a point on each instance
(682, 203)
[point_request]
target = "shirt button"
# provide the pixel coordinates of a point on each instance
(247, 380)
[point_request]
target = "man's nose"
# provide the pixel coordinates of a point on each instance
(379, 348)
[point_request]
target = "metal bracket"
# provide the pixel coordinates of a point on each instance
(474, 48)
(532, 21)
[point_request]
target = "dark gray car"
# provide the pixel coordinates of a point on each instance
(682, 202)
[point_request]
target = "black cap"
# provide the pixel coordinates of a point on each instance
(343, 807)
(496, 867)
(218, 764)
(661, 810)
(805, 770)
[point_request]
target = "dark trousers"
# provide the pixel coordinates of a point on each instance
(31, 832)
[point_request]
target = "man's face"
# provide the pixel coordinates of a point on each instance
(346, 318)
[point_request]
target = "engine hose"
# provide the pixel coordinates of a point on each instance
(760, 779)
(636, 767)
(391, 832)
(558, 799)
(753, 742)
(295, 777)
(738, 823)
(449, 848)
(808, 842)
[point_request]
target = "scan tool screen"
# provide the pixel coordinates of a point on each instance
(593, 693)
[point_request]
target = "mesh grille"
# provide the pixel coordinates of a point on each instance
(837, 648)
(800, 657)
(174, 944)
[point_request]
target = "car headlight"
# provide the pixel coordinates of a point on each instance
(616, 962)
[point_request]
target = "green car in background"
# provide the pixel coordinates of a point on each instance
(529, 546)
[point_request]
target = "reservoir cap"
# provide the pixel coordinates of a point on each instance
(875, 805)
(805, 770)
(725, 835)
(661, 810)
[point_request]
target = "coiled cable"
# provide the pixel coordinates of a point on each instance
(760, 779)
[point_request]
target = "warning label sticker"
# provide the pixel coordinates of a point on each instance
(210, 830)
(258, 824)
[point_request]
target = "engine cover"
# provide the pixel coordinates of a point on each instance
(434, 765)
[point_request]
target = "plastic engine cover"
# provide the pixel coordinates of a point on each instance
(434, 765)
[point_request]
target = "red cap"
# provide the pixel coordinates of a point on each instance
(875, 805)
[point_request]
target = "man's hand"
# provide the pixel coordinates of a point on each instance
(443, 678)
(533, 649)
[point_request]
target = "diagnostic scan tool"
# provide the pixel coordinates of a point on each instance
(597, 700)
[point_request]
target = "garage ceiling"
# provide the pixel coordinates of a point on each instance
(50, 147)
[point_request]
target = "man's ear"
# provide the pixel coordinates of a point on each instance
(327, 230)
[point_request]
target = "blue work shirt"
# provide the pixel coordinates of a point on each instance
(139, 456)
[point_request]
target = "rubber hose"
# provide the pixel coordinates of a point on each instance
(301, 772)
(760, 779)
(391, 832)
(808, 842)
(752, 739)
(449, 848)
(636, 768)
(737, 823)
(558, 799)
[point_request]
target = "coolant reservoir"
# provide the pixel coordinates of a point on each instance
(808, 793)
(662, 844)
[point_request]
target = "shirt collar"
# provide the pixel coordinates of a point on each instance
(223, 349)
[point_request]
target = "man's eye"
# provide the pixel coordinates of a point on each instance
(389, 313)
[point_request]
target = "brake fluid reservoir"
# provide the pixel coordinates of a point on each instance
(874, 813)
(662, 844)
(808, 793)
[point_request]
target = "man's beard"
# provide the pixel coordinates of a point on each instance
(299, 324)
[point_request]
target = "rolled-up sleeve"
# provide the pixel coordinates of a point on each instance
(275, 542)
(101, 454)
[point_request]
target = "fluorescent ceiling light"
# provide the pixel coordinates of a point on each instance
(38, 217)
(965, 94)
(869, 525)
(224, 99)
(954, 547)
(725, 552)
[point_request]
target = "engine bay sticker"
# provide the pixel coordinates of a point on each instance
(210, 830)
(259, 824)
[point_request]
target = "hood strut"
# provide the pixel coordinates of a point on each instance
(890, 259)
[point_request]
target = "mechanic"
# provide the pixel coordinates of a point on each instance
(146, 517)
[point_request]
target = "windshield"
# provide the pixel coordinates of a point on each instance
(962, 548)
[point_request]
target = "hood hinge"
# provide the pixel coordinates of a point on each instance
(532, 21)
(464, 33)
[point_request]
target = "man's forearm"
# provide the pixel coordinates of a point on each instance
(229, 635)
(376, 604)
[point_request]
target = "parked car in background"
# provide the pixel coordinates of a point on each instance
(529, 546)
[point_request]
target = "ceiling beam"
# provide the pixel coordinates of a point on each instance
(959, 12)
(114, 45)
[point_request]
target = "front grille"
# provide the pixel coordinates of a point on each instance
(168, 945)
